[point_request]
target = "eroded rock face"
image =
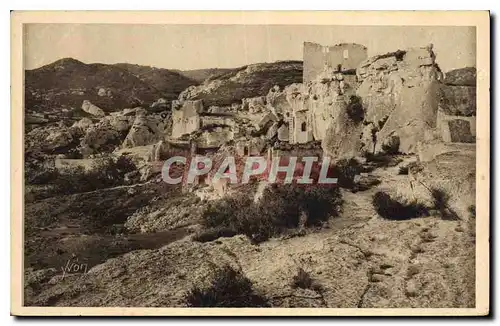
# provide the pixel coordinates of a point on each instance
(83, 124)
(342, 137)
(147, 129)
(92, 109)
(399, 95)
(100, 137)
(59, 138)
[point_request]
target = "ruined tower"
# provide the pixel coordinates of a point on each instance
(344, 57)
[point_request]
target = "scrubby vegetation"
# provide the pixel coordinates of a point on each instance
(105, 172)
(228, 288)
(282, 207)
(346, 171)
(440, 203)
(392, 209)
(355, 110)
(402, 209)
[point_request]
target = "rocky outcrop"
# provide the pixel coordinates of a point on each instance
(254, 105)
(52, 139)
(100, 137)
(147, 129)
(59, 138)
(92, 109)
(160, 105)
(342, 137)
(398, 91)
(83, 124)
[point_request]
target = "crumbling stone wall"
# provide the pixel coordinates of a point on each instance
(344, 57)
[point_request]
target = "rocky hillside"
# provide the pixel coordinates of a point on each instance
(245, 82)
(170, 83)
(68, 82)
(200, 75)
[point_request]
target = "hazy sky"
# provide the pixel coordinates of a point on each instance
(226, 46)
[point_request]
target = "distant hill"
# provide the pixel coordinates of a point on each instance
(169, 82)
(247, 81)
(68, 82)
(200, 75)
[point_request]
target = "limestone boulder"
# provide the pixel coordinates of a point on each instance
(99, 138)
(120, 122)
(254, 105)
(160, 105)
(83, 124)
(92, 109)
(283, 132)
(105, 92)
(147, 129)
(59, 138)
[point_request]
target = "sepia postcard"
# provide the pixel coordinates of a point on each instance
(275, 163)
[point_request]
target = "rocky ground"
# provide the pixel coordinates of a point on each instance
(358, 259)
(103, 229)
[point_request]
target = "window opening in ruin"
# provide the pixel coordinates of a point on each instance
(346, 54)
(303, 126)
(339, 67)
(245, 150)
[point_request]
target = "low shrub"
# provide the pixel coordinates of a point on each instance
(104, 173)
(355, 110)
(391, 209)
(302, 280)
(280, 208)
(228, 288)
(440, 203)
(472, 211)
(346, 170)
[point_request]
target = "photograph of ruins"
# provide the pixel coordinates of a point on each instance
(106, 108)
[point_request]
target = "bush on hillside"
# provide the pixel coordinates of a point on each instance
(392, 209)
(228, 288)
(280, 208)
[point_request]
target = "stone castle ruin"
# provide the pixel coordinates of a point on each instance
(344, 57)
(349, 103)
